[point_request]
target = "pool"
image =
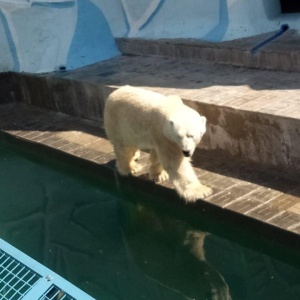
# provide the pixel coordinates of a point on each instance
(114, 242)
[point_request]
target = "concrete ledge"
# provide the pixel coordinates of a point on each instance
(281, 54)
(260, 138)
(73, 97)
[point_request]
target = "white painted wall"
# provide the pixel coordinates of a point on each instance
(213, 20)
(41, 35)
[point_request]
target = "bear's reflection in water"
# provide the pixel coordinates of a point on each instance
(171, 253)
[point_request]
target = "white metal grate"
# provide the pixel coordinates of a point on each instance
(15, 278)
(23, 278)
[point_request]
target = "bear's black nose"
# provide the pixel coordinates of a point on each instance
(186, 153)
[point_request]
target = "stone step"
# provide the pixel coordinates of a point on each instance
(282, 53)
(253, 115)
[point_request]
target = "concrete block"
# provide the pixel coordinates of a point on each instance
(165, 49)
(222, 55)
(236, 57)
(208, 54)
(183, 52)
(295, 60)
(251, 60)
(196, 53)
(284, 61)
(269, 60)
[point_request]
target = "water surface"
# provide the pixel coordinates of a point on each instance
(117, 243)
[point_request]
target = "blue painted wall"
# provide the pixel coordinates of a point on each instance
(43, 35)
(93, 40)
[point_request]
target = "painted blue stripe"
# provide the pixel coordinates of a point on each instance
(153, 14)
(218, 32)
(93, 40)
(58, 5)
(11, 43)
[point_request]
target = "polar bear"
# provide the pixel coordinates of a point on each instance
(135, 118)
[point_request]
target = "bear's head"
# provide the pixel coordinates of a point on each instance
(185, 127)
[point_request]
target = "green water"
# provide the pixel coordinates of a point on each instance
(110, 240)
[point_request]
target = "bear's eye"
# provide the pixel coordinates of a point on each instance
(190, 136)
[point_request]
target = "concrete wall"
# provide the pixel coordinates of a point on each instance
(42, 35)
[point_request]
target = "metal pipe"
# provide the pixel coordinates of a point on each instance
(283, 28)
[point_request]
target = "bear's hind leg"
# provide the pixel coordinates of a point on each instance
(156, 171)
(125, 157)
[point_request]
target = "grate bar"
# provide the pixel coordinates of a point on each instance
(38, 290)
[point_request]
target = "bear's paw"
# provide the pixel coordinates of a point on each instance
(162, 176)
(125, 169)
(196, 191)
(135, 168)
(137, 155)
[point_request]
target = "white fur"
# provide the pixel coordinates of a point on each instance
(135, 119)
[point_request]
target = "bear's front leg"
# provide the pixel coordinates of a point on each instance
(156, 171)
(183, 176)
(125, 160)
